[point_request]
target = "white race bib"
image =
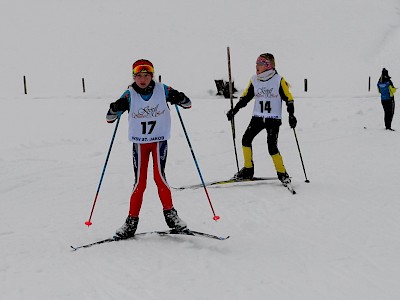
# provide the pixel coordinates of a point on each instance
(268, 102)
(149, 121)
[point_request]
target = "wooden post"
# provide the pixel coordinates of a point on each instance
(305, 85)
(369, 83)
(25, 90)
(83, 85)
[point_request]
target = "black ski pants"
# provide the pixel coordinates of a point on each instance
(388, 108)
(256, 125)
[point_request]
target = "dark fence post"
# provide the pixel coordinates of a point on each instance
(369, 83)
(83, 85)
(305, 85)
(25, 90)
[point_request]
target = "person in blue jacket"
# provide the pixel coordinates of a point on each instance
(146, 102)
(387, 90)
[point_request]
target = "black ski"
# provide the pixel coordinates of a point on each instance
(163, 232)
(289, 186)
(193, 233)
(220, 182)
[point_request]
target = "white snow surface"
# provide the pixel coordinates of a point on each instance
(337, 238)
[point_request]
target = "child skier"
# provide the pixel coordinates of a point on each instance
(149, 129)
(269, 90)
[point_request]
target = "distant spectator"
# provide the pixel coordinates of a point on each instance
(387, 90)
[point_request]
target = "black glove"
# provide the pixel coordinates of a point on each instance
(113, 107)
(292, 121)
(231, 113)
(116, 109)
(290, 108)
(175, 97)
(120, 105)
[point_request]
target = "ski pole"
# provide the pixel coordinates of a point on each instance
(301, 158)
(88, 222)
(215, 218)
(231, 98)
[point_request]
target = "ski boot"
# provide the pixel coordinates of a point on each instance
(284, 178)
(173, 221)
(244, 173)
(128, 229)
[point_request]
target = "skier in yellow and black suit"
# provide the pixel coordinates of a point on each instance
(269, 90)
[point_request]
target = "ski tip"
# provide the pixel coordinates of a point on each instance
(178, 188)
(73, 248)
(222, 238)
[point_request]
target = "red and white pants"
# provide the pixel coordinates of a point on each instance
(141, 154)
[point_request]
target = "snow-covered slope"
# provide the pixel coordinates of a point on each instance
(337, 238)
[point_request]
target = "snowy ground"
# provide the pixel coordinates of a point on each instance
(337, 238)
